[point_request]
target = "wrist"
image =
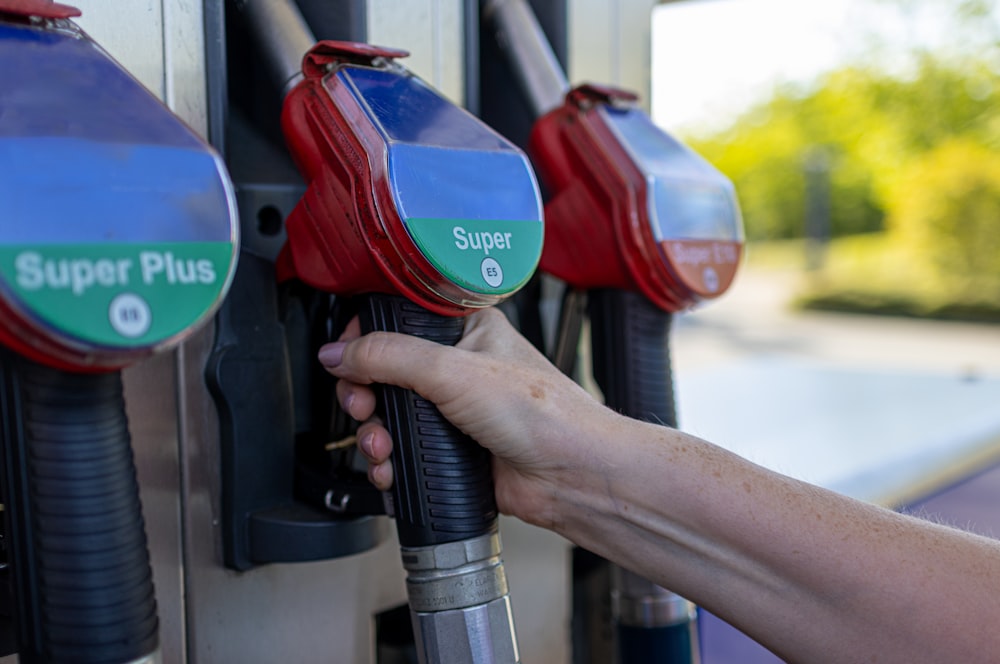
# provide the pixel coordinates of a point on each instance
(585, 493)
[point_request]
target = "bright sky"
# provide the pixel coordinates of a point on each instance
(712, 58)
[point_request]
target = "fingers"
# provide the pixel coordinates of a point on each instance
(375, 445)
(395, 359)
(441, 374)
(380, 475)
(358, 401)
(330, 354)
(352, 331)
(374, 441)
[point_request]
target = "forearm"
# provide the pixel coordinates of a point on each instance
(812, 574)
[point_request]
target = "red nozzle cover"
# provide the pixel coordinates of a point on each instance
(317, 61)
(39, 8)
(588, 94)
(595, 193)
(338, 233)
(598, 194)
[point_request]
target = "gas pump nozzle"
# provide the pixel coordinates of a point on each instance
(423, 213)
(118, 240)
(647, 228)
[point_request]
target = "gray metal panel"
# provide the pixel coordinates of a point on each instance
(304, 612)
(538, 569)
(152, 417)
(161, 43)
(591, 42)
(432, 30)
(132, 33)
(610, 42)
(184, 61)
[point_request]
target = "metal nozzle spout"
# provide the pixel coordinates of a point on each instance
(459, 603)
(638, 602)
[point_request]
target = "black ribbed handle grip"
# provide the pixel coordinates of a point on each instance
(443, 481)
(85, 584)
(631, 355)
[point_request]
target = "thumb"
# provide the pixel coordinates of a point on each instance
(392, 358)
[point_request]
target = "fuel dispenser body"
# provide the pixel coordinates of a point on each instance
(638, 227)
(663, 232)
(118, 240)
(266, 540)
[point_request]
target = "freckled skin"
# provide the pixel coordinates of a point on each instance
(815, 576)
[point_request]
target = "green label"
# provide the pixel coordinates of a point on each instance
(494, 257)
(118, 295)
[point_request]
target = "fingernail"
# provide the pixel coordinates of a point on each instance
(348, 401)
(366, 443)
(331, 354)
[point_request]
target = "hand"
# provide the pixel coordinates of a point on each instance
(494, 386)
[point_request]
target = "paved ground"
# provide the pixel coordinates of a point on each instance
(753, 320)
(881, 408)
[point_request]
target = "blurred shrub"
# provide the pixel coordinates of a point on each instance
(945, 208)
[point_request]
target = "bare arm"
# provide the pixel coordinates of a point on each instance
(813, 575)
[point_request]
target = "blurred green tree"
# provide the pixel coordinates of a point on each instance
(870, 126)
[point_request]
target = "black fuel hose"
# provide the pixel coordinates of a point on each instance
(83, 582)
(631, 354)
